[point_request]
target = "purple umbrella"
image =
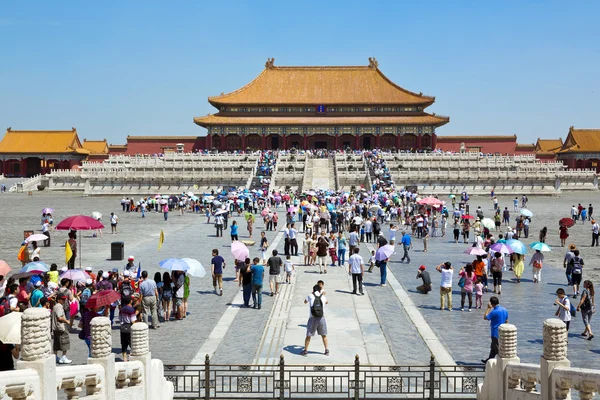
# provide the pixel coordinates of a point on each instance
(47, 211)
(501, 248)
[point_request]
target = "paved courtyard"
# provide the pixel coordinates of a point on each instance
(392, 324)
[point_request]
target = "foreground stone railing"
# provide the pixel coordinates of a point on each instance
(506, 378)
(37, 376)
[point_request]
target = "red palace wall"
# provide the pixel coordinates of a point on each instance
(157, 146)
(487, 146)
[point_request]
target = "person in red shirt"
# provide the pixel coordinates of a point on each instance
(22, 295)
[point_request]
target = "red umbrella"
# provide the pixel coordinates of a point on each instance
(102, 298)
(467, 216)
(566, 222)
(79, 223)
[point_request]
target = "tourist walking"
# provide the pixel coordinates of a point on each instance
(445, 284)
(587, 307)
(356, 268)
(217, 264)
(60, 321)
(293, 234)
(246, 282)
(275, 263)
(258, 275)
(406, 246)
(468, 277)
(537, 262)
(595, 233)
(167, 296)
(317, 323)
(567, 263)
(563, 234)
(564, 307)
(128, 317)
(149, 293)
(497, 266)
(234, 231)
(341, 251)
(322, 248)
(114, 220)
(219, 225)
(264, 245)
(497, 315)
(577, 272)
(519, 266)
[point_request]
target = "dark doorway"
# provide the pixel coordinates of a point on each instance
(320, 144)
(33, 166)
(274, 142)
(366, 142)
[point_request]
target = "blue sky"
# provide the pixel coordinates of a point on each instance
(118, 68)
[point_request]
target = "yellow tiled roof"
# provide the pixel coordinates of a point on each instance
(548, 145)
(582, 141)
(321, 86)
(426, 119)
(96, 146)
(40, 142)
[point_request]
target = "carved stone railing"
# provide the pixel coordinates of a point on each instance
(585, 381)
(101, 378)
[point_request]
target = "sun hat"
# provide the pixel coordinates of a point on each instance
(126, 273)
(63, 269)
(572, 246)
(105, 274)
(89, 281)
(88, 268)
(130, 258)
(115, 269)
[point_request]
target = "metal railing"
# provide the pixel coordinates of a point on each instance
(282, 381)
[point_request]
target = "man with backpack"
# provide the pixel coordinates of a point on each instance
(576, 263)
(127, 286)
(9, 303)
(316, 321)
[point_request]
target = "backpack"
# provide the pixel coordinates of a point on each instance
(126, 289)
(4, 306)
(316, 310)
(577, 268)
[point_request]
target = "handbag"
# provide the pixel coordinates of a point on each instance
(461, 282)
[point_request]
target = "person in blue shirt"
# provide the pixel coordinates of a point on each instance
(406, 245)
(234, 231)
(258, 273)
(497, 315)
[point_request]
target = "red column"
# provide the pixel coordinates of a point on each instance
(433, 141)
(336, 142)
(244, 142)
(305, 139)
(377, 141)
(23, 167)
(263, 142)
(398, 141)
(223, 147)
(419, 141)
(357, 142)
(284, 142)
(208, 143)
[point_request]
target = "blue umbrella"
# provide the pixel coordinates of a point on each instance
(526, 212)
(35, 266)
(540, 246)
(517, 246)
(174, 264)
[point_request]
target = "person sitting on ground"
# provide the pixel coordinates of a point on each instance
(424, 275)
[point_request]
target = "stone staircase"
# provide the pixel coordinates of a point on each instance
(308, 175)
(321, 174)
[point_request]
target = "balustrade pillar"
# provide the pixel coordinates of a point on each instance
(101, 334)
(36, 350)
(555, 355)
(140, 351)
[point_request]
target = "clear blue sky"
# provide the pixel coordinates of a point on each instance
(118, 68)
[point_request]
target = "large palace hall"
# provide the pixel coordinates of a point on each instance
(321, 108)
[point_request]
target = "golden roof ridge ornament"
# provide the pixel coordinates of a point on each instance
(373, 64)
(269, 63)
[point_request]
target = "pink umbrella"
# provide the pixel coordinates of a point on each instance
(501, 248)
(265, 211)
(79, 223)
(430, 201)
(76, 275)
(239, 250)
(475, 251)
(4, 268)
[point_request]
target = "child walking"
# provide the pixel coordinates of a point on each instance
(478, 293)
(289, 268)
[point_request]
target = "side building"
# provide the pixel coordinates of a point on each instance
(321, 108)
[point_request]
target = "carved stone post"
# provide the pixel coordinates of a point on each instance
(507, 353)
(102, 353)
(555, 355)
(140, 351)
(36, 350)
